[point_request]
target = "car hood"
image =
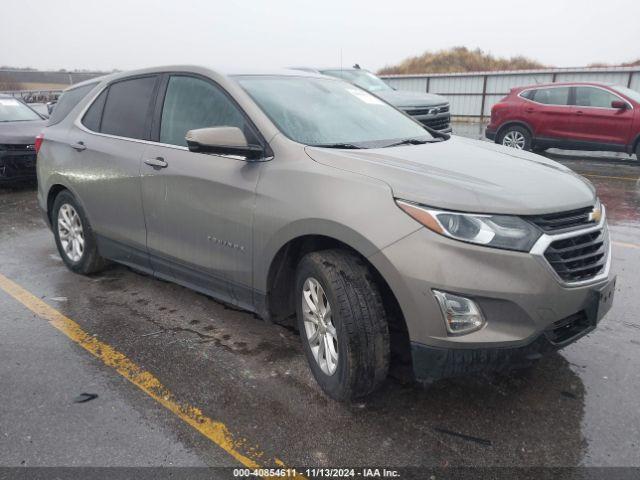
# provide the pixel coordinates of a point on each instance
(399, 98)
(467, 175)
(20, 133)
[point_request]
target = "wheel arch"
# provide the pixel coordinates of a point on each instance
(279, 301)
(512, 123)
(54, 190)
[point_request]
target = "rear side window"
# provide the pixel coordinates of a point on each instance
(594, 97)
(126, 111)
(529, 94)
(552, 96)
(192, 103)
(67, 101)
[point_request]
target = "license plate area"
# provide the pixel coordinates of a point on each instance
(604, 299)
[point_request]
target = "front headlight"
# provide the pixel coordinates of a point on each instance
(499, 231)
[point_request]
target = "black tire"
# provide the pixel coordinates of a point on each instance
(638, 150)
(90, 261)
(360, 320)
(516, 129)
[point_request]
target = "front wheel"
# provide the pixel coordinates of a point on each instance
(342, 323)
(516, 137)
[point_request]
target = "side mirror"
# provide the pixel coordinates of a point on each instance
(222, 141)
(619, 104)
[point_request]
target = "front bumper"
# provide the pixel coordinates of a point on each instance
(434, 363)
(521, 297)
(490, 133)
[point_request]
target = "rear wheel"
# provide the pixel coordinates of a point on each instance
(74, 237)
(342, 323)
(516, 137)
(638, 151)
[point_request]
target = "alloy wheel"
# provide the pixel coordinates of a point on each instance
(514, 139)
(70, 232)
(318, 324)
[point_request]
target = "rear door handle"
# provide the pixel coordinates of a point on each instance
(157, 162)
(529, 110)
(579, 112)
(79, 146)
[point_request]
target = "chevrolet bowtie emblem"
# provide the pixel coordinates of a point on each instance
(595, 215)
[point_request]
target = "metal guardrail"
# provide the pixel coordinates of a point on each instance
(472, 94)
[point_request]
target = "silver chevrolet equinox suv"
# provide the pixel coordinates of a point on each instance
(303, 198)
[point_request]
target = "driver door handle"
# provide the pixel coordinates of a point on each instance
(579, 112)
(79, 146)
(157, 162)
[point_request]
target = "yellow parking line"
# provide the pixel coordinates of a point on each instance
(215, 431)
(625, 244)
(630, 179)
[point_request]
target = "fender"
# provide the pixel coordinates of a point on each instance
(306, 227)
(522, 123)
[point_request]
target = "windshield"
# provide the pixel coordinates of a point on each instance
(362, 78)
(323, 111)
(632, 94)
(12, 110)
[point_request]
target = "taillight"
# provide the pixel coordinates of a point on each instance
(39, 140)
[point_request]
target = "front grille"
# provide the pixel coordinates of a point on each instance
(18, 148)
(436, 123)
(427, 110)
(554, 222)
(581, 257)
(568, 328)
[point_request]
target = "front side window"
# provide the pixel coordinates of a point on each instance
(632, 94)
(324, 111)
(594, 97)
(126, 110)
(191, 103)
(552, 96)
(362, 78)
(13, 110)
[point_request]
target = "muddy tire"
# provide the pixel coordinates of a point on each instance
(74, 237)
(349, 324)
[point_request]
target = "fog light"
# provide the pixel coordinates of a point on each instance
(461, 315)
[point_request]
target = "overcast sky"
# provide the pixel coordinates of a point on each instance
(126, 34)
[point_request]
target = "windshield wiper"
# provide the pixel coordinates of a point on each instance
(413, 141)
(337, 145)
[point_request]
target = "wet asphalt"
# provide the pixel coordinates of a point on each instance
(576, 407)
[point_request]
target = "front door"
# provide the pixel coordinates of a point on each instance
(199, 207)
(596, 121)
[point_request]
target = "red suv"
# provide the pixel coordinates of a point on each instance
(572, 116)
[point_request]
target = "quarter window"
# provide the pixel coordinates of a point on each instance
(552, 96)
(191, 103)
(67, 101)
(93, 117)
(127, 108)
(594, 97)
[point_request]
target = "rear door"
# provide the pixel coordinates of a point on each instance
(199, 207)
(549, 111)
(109, 146)
(596, 121)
